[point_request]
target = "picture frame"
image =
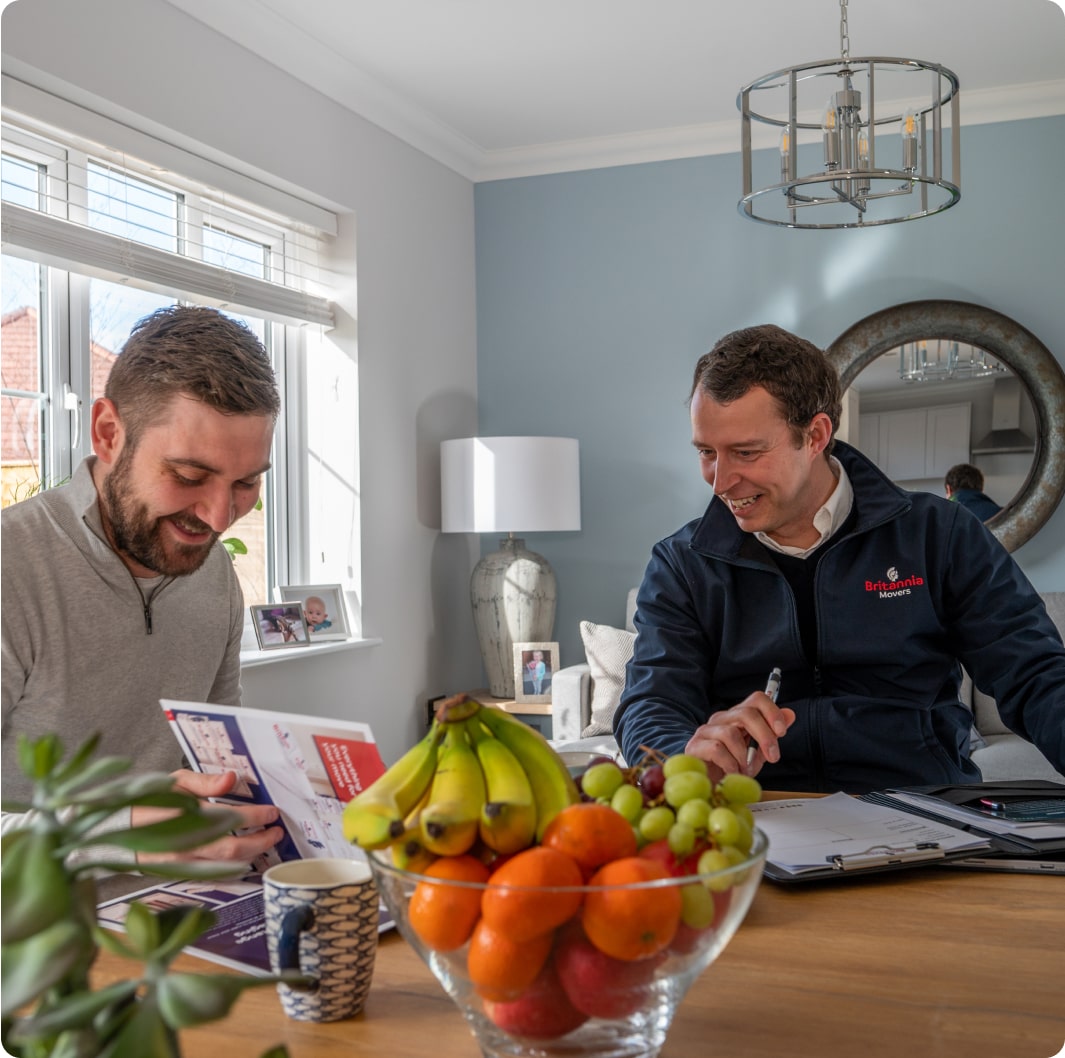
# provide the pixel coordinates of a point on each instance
(279, 626)
(535, 665)
(327, 601)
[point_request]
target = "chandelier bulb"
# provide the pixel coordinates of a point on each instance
(909, 140)
(830, 136)
(785, 154)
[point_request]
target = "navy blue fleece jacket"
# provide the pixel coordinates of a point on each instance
(912, 586)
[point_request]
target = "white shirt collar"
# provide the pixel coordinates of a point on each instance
(828, 519)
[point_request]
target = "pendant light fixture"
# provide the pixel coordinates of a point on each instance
(859, 141)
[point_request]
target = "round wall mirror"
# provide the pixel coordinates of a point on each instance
(1006, 341)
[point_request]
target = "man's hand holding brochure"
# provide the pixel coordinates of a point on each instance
(309, 767)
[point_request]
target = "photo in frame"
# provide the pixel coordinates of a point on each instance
(323, 609)
(535, 665)
(279, 626)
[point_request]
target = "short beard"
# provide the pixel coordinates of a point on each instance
(137, 535)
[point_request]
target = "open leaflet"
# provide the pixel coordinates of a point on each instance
(309, 767)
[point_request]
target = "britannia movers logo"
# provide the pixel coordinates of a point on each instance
(894, 585)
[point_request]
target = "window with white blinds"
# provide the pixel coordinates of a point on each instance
(118, 218)
(101, 225)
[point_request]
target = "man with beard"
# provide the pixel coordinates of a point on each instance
(115, 589)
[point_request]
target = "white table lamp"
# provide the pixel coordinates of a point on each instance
(510, 485)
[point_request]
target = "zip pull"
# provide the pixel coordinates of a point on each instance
(148, 618)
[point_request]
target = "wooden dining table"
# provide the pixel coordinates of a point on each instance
(934, 962)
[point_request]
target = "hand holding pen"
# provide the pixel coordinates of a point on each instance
(772, 689)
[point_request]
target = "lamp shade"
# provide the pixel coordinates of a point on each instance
(510, 485)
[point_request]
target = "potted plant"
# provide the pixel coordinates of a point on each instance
(51, 934)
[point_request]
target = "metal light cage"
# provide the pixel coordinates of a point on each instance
(851, 190)
(948, 360)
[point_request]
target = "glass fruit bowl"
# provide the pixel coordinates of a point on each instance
(530, 980)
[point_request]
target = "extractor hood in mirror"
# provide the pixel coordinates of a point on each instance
(1006, 434)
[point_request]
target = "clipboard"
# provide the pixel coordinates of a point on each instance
(843, 837)
(950, 804)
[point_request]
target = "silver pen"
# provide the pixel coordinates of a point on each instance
(772, 689)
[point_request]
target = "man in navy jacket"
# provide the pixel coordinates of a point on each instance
(867, 598)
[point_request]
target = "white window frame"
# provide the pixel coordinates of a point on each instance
(64, 313)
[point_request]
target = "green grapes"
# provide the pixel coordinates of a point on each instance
(724, 826)
(628, 802)
(656, 823)
(681, 838)
(681, 762)
(711, 862)
(602, 780)
(673, 801)
(687, 786)
(740, 789)
(695, 813)
(697, 906)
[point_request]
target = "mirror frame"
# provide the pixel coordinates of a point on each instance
(1005, 339)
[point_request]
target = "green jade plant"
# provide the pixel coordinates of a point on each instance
(51, 934)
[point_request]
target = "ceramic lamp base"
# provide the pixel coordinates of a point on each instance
(513, 595)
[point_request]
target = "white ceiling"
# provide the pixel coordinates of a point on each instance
(497, 88)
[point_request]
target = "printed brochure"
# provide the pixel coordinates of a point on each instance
(309, 767)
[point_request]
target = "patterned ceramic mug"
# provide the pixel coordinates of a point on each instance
(321, 919)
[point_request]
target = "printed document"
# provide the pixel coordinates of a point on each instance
(809, 834)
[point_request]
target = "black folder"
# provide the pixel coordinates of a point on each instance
(1015, 839)
(996, 838)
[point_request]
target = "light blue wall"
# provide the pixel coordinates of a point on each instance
(598, 290)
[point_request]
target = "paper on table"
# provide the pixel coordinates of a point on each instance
(806, 834)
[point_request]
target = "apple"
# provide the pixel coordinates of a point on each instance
(660, 851)
(598, 984)
(542, 1012)
(688, 934)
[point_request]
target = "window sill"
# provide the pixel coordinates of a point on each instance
(253, 658)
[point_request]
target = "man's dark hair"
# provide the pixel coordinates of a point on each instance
(192, 351)
(792, 370)
(965, 476)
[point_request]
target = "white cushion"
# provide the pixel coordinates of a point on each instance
(608, 651)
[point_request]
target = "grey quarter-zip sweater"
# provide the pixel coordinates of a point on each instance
(87, 648)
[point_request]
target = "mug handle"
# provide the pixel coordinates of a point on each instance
(294, 922)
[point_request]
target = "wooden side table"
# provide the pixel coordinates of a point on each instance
(535, 714)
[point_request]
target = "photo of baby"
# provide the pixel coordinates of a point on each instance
(323, 609)
(315, 613)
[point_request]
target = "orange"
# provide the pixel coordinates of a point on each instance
(444, 915)
(592, 834)
(500, 967)
(631, 923)
(516, 902)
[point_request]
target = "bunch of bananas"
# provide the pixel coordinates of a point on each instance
(479, 775)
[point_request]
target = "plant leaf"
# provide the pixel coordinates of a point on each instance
(78, 759)
(30, 967)
(235, 546)
(175, 834)
(179, 926)
(37, 757)
(34, 889)
(104, 768)
(73, 1011)
(185, 869)
(192, 999)
(145, 1035)
(118, 793)
(142, 928)
(113, 942)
